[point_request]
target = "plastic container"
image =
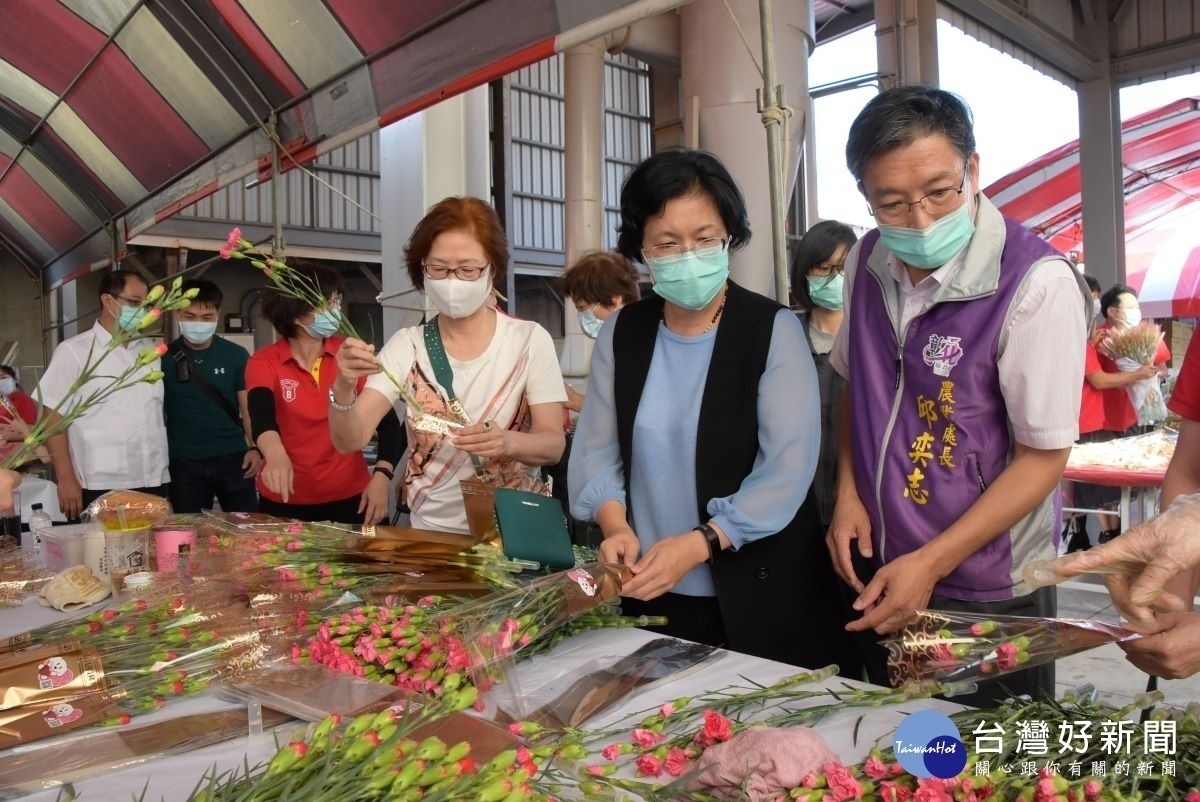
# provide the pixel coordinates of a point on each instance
(126, 552)
(168, 540)
(62, 546)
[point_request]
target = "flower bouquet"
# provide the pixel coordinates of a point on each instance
(1132, 348)
(952, 647)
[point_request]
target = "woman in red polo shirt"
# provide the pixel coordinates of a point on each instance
(288, 383)
(17, 411)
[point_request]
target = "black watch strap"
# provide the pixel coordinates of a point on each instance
(713, 539)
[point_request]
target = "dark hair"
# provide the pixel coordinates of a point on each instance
(8, 371)
(600, 276)
(1093, 285)
(814, 248)
(114, 283)
(1109, 298)
(899, 116)
(464, 213)
(672, 174)
(209, 293)
(282, 310)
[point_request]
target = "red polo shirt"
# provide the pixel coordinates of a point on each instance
(1185, 399)
(24, 405)
(1091, 403)
(320, 473)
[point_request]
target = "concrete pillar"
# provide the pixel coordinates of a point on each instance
(719, 82)
(433, 154)
(583, 112)
(906, 41)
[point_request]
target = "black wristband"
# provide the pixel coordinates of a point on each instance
(254, 448)
(713, 539)
(385, 471)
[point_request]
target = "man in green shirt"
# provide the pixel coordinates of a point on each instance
(208, 427)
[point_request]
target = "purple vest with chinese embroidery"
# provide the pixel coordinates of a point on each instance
(930, 426)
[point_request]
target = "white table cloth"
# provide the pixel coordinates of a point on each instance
(173, 778)
(36, 490)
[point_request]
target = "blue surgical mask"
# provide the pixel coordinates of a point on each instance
(826, 291)
(325, 323)
(692, 281)
(129, 317)
(197, 332)
(930, 247)
(590, 323)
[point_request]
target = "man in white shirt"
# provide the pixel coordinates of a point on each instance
(961, 348)
(121, 442)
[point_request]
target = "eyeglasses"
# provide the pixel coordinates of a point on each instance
(672, 251)
(935, 203)
(827, 269)
(437, 270)
(130, 301)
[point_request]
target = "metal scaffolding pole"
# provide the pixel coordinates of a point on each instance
(773, 109)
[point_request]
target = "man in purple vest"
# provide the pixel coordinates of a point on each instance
(962, 348)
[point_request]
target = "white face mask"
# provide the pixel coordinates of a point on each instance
(456, 298)
(1132, 316)
(7, 385)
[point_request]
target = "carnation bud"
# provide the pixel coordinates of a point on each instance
(155, 293)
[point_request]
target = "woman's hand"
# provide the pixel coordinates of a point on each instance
(621, 546)
(486, 439)
(664, 564)
(373, 506)
(574, 399)
(277, 475)
(355, 359)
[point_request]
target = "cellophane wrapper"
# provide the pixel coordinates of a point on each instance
(951, 647)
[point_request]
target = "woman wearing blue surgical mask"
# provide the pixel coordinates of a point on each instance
(696, 450)
(817, 271)
(288, 383)
(598, 284)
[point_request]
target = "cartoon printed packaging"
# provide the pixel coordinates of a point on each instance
(50, 678)
(32, 722)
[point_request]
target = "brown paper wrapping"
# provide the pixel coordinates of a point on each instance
(479, 499)
(32, 722)
(593, 584)
(50, 678)
(39, 652)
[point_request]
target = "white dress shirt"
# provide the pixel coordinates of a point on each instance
(120, 442)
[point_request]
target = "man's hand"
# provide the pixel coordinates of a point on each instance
(1171, 650)
(373, 505)
(486, 439)
(70, 495)
(251, 463)
(898, 588)
(664, 564)
(850, 523)
(622, 546)
(277, 476)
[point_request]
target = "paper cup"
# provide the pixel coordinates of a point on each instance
(126, 552)
(167, 541)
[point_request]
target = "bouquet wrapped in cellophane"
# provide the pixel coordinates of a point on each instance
(952, 647)
(1131, 348)
(437, 645)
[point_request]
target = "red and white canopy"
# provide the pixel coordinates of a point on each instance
(1160, 159)
(117, 113)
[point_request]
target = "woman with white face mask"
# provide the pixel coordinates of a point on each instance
(17, 410)
(505, 403)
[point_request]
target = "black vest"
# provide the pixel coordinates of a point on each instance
(777, 595)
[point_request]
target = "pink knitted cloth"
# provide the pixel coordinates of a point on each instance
(762, 762)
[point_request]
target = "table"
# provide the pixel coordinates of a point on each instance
(173, 778)
(1146, 484)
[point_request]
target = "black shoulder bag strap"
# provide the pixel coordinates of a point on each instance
(195, 375)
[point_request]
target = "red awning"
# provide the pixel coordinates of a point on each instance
(1160, 159)
(115, 114)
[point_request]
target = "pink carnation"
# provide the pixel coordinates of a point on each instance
(1192, 795)
(647, 739)
(666, 709)
(612, 752)
(648, 766)
(931, 791)
(891, 791)
(716, 729)
(874, 768)
(676, 762)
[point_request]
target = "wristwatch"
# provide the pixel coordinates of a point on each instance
(333, 402)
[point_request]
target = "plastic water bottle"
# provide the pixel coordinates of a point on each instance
(39, 522)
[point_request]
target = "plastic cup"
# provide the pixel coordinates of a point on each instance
(167, 541)
(126, 553)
